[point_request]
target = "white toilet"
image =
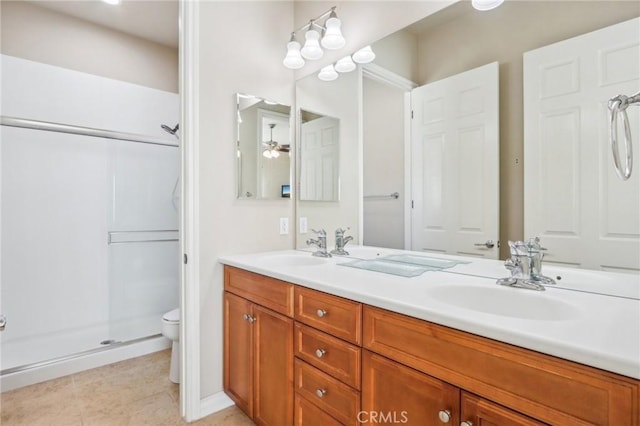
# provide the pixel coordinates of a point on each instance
(171, 330)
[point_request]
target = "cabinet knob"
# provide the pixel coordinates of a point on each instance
(246, 317)
(320, 353)
(321, 313)
(467, 423)
(444, 416)
(252, 319)
(320, 392)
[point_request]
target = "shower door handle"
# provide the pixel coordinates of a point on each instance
(3, 322)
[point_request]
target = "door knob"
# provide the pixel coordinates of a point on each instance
(488, 244)
(3, 322)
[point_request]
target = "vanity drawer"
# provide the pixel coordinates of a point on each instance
(334, 356)
(266, 291)
(329, 394)
(307, 414)
(334, 315)
(546, 388)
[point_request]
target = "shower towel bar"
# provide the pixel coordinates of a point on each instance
(393, 195)
(127, 237)
(83, 131)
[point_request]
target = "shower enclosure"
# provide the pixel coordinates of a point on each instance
(89, 217)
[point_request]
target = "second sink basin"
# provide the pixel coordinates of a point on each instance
(508, 302)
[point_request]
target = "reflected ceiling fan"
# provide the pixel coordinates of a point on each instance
(272, 148)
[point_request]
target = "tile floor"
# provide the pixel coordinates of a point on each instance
(132, 392)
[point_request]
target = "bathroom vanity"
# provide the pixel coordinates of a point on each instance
(308, 341)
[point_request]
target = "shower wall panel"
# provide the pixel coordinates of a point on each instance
(88, 225)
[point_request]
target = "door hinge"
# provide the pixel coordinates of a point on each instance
(412, 114)
(411, 203)
(185, 258)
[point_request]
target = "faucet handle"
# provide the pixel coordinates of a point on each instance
(321, 232)
(341, 231)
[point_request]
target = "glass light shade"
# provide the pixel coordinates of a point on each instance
(486, 4)
(275, 154)
(345, 64)
(333, 38)
(311, 49)
(364, 55)
(293, 60)
(328, 73)
(266, 153)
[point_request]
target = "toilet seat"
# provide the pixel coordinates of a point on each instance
(172, 316)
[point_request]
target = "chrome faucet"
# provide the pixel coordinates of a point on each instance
(525, 265)
(341, 241)
(321, 243)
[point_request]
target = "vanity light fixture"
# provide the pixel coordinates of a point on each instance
(484, 5)
(328, 36)
(345, 64)
(364, 55)
(328, 73)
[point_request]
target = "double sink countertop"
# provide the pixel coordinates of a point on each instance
(590, 317)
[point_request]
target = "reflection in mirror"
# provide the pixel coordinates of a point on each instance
(422, 53)
(319, 157)
(328, 168)
(263, 148)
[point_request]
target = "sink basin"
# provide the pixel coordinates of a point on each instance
(306, 259)
(508, 302)
(367, 252)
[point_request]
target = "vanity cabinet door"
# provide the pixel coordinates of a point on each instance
(476, 411)
(238, 351)
(393, 393)
(273, 368)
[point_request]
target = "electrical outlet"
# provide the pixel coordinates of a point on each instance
(284, 225)
(303, 225)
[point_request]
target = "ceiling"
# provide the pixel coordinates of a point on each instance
(154, 20)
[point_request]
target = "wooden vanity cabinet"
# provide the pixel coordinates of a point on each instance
(258, 347)
(476, 411)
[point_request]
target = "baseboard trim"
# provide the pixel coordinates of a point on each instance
(214, 403)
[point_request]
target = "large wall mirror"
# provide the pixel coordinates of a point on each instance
(263, 148)
(451, 42)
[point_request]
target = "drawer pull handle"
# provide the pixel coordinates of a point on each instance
(320, 353)
(321, 313)
(444, 416)
(320, 392)
(467, 423)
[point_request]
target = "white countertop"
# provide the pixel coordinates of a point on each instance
(593, 329)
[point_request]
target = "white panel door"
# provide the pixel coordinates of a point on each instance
(586, 216)
(319, 155)
(455, 173)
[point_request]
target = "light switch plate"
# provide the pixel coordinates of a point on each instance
(284, 225)
(303, 225)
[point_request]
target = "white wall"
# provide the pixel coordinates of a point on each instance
(38, 34)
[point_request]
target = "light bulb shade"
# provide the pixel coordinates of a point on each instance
(333, 38)
(293, 60)
(311, 49)
(364, 55)
(345, 64)
(486, 4)
(275, 154)
(266, 153)
(328, 73)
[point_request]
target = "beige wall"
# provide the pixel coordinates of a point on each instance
(503, 35)
(41, 35)
(241, 49)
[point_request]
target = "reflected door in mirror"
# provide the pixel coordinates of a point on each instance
(319, 159)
